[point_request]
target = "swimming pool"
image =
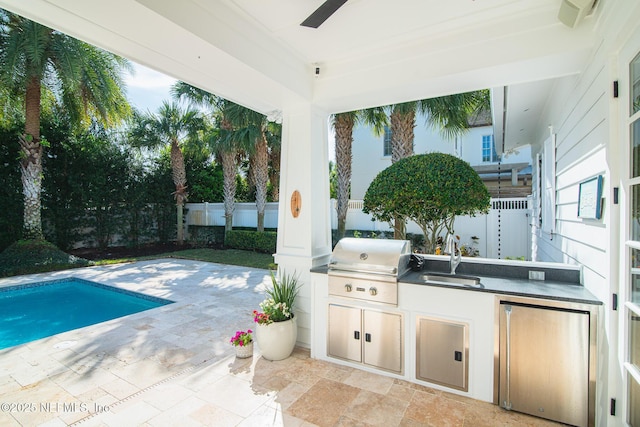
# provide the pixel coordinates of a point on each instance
(37, 310)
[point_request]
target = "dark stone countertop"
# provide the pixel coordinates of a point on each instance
(547, 289)
(553, 290)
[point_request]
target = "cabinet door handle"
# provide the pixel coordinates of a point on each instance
(457, 356)
(356, 335)
(367, 337)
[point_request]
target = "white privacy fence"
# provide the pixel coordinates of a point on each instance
(244, 214)
(503, 232)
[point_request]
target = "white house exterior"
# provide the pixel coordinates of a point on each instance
(370, 156)
(571, 85)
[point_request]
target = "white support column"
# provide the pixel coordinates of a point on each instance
(304, 241)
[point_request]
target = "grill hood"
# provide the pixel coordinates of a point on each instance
(374, 256)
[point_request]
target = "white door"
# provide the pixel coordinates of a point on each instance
(630, 212)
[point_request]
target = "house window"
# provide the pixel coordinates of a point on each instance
(489, 149)
(387, 141)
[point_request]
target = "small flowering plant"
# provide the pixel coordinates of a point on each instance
(278, 306)
(272, 312)
(242, 338)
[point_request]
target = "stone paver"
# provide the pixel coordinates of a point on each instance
(76, 374)
(173, 365)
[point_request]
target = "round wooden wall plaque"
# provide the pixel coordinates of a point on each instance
(296, 203)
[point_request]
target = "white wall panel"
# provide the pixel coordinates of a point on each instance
(579, 170)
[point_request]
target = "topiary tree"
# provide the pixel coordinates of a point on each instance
(430, 189)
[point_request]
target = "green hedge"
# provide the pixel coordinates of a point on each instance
(252, 240)
(33, 256)
(206, 235)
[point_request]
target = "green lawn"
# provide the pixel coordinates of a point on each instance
(226, 256)
(27, 257)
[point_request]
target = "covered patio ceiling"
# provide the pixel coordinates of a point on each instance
(369, 53)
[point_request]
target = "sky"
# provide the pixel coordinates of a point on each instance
(146, 88)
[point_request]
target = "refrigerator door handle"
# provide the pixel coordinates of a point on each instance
(507, 403)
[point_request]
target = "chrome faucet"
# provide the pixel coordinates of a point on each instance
(451, 249)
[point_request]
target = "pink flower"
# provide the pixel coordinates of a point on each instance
(241, 338)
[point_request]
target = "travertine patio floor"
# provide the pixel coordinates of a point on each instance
(173, 365)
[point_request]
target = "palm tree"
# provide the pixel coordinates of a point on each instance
(343, 124)
(219, 139)
(449, 114)
(250, 131)
(227, 152)
(175, 127)
(86, 80)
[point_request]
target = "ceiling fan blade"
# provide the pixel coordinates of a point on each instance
(322, 13)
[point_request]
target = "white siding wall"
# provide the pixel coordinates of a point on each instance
(579, 115)
(584, 116)
(582, 133)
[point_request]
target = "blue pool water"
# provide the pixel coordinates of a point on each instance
(34, 311)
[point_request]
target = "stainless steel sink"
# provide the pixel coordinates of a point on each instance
(452, 280)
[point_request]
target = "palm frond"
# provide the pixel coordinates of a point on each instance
(375, 117)
(195, 96)
(171, 123)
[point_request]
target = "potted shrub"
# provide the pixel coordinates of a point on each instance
(243, 342)
(277, 330)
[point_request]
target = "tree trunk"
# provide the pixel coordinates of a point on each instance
(180, 180)
(274, 174)
(31, 163)
(343, 126)
(261, 177)
(399, 228)
(402, 135)
(228, 159)
(180, 223)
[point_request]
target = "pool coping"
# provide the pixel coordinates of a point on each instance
(159, 300)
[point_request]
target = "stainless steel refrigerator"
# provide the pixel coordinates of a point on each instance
(544, 362)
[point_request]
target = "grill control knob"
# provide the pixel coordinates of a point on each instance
(373, 291)
(347, 287)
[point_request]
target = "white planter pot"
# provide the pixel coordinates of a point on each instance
(243, 352)
(277, 340)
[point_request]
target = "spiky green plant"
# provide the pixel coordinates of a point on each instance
(284, 289)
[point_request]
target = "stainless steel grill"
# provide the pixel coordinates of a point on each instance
(368, 269)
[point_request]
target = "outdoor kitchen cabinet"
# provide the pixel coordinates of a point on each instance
(442, 352)
(365, 336)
